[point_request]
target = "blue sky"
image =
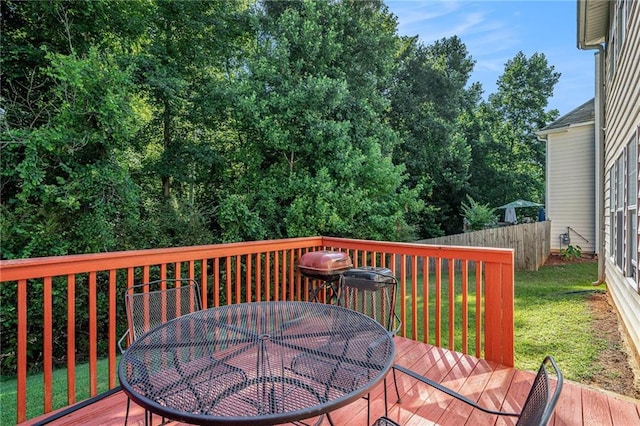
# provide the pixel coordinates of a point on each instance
(494, 31)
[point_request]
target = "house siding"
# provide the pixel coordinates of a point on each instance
(571, 187)
(622, 119)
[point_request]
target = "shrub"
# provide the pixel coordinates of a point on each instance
(571, 253)
(478, 216)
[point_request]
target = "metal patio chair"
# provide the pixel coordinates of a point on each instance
(385, 421)
(536, 411)
(372, 292)
(152, 304)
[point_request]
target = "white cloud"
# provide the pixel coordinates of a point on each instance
(494, 31)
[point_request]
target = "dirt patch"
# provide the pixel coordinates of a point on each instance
(556, 259)
(620, 372)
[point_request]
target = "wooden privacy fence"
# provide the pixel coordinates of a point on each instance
(531, 242)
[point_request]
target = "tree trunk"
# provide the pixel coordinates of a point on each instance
(166, 179)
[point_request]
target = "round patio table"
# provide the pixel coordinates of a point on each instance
(258, 363)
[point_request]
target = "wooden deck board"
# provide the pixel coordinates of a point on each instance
(493, 385)
(595, 408)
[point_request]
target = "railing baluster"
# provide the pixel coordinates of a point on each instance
(267, 276)
(288, 274)
(276, 276)
(93, 335)
(259, 291)
(227, 264)
(216, 282)
(414, 297)
(438, 296)
(203, 283)
(145, 274)
(48, 346)
(238, 281)
(465, 307)
(425, 299)
(452, 303)
(248, 278)
(298, 255)
(178, 270)
(163, 271)
(71, 339)
(21, 368)
(113, 297)
(192, 269)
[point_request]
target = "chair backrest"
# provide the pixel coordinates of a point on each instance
(375, 299)
(148, 308)
(539, 406)
(385, 421)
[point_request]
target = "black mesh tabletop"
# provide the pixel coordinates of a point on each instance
(256, 363)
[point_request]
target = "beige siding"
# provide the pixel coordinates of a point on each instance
(622, 109)
(622, 115)
(571, 187)
(627, 302)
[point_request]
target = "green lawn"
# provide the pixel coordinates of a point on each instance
(551, 317)
(35, 403)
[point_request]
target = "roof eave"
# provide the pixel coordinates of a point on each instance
(593, 23)
(564, 129)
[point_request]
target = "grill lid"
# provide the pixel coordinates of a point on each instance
(369, 277)
(324, 264)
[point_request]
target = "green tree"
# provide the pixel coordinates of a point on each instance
(73, 192)
(311, 125)
(69, 115)
(429, 96)
(188, 50)
(508, 159)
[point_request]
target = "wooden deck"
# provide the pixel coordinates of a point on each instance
(494, 385)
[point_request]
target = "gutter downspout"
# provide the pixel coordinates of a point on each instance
(600, 128)
(600, 146)
(600, 125)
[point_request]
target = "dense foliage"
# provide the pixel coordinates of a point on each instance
(146, 123)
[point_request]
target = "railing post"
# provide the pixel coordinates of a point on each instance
(498, 310)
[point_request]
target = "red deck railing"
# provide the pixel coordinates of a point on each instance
(456, 297)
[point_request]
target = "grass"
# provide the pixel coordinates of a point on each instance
(35, 403)
(551, 317)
